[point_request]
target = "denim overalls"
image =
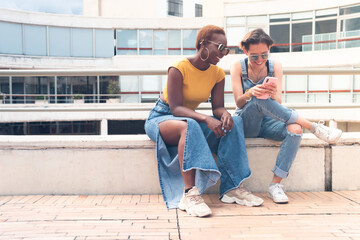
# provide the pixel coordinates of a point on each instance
(268, 119)
(232, 163)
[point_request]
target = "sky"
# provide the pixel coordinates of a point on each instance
(49, 6)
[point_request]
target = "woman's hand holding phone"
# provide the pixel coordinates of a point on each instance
(269, 85)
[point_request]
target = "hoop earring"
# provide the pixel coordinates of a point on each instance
(208, 53)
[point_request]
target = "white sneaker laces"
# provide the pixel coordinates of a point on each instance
(278, 189)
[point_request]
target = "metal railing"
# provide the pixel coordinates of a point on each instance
(141, 96)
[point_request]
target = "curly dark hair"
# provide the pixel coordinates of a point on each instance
(206, 33)
(255, 37)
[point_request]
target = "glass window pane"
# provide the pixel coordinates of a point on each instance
(64, 90)
(350, 28)
(82, 42)
(234, 35)
(350, 10)
(145, 42)
(257, 20)
(326, 13)
(235, 21)
(189, 41)
(18, 89)
(281, 36)
(159, 43)
(104, 43)
(151, 83)
(4, 85)
(174, 42)
(302, 16)
(318, 83)
(341, 82)
(301, 32)
(36, 85)
(59, 41)
(295, 98)
(35, 40)
(325, 35)
(296, 83)
(318, 98)
(129, 85)
(126, 42)
(357, 82)
(341, 98)
(280, 18)
(11, 38)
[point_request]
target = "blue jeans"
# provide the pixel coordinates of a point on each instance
(232, 163)
(267, 118)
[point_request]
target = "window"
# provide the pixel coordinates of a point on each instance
(281, 36)
(326, 13)
(350, 28)
(11, 38)
(175, 8)
(35, 40)
(198, 10)
(325, 34)
(349, 10)
(301, 37)
(279, 18)
(82, 42)
(104, 43)
(145, 42)
(174, 42)
(189, 41)
(159, 42)
(59, 41)
(126, 42)
(302, 16)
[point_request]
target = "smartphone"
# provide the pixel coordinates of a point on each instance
(270, 80)
(267, 81)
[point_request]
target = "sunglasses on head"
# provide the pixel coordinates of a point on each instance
(221, 47)
(256, 57)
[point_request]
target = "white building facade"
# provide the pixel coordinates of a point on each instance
(141, 35)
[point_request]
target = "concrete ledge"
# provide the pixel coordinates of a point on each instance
(126, 164)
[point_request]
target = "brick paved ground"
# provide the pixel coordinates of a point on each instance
(309, 215)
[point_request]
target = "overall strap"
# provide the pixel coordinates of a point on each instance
(244, 73)
(271, 68)
(243, 69)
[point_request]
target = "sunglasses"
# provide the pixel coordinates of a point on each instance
(221, 47)
(256, 57)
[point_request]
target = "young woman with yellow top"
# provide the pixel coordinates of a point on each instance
(185, 139)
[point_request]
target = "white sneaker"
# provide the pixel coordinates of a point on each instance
(327, 134)
(242, 196)
(277, 194)
(193, 204)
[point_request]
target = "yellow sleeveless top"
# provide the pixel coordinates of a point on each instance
(197, 84)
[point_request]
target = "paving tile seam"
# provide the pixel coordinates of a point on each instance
(178, 223)
(284, 214)
(347, 198)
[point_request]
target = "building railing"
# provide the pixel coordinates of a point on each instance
(45, 86)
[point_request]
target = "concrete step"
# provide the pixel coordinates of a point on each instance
(126, 164)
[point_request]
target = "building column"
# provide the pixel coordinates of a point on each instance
(104, 127)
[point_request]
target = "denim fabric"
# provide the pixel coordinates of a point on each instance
(232, 163)
(268, 119)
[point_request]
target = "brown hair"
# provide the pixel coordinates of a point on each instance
(255, 37)
(206, 32)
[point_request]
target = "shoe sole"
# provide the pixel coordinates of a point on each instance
(227, 199)
(281, 201)
(336, 139)
(182, 207)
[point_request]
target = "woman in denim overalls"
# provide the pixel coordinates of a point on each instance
(267, 118)
(186, 139)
